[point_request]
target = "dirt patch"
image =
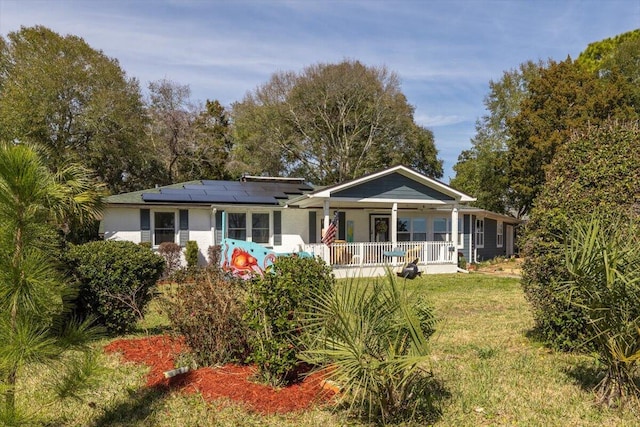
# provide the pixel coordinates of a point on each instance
(505, 268)
(226, 382)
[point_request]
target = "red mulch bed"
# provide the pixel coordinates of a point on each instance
(229, 381)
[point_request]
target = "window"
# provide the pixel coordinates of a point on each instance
(412, 229)
(440, 229)
(499, 234)
(419, 229)
(237, 228)
(404, 229)
(164, 227)
(480, 232)
(260, 227)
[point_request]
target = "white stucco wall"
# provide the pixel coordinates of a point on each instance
(121, 224)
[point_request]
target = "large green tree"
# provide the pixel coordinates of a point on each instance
(482, 170)
(562, 99)
(78, 103)
(330, 123)
(35, 326)
(597, 54)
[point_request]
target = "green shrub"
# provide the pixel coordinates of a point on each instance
(191, 253)
(116, 281)
(603, 260)
(172, 254)
(276, 308)
(372, 338)
(208, 312)
(595, 170)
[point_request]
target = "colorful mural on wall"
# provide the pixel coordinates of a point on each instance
(247, 259)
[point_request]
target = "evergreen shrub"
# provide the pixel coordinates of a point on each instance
(191, 254)
(116, 281)
(277, 306)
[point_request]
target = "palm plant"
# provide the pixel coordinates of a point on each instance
(603, 260)
(372, 341)
(35, 326)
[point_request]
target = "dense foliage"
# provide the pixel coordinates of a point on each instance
(372, 339)
(208, 312)
(596, 170)
(534, 110)
(603, 261)
(276, 307)
(77, 103)
(116, 281)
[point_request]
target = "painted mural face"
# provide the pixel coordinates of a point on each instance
(247, 259)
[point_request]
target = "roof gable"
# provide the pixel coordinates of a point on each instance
(392, 186)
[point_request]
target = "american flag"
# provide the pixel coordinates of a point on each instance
(330, 232)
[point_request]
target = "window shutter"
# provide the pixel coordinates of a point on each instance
(277, 227)
(342, 226)
(312, 227)
(183, 227)
(218, 236)
(145, 225)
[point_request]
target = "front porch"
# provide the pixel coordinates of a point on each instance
(367, 259)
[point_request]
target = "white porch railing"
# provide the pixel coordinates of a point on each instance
(365, 254)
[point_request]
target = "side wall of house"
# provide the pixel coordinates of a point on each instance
(120, 223)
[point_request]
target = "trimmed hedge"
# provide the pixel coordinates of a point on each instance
(116, 281)
(597, 170)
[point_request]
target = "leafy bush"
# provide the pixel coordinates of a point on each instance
(372, 337)
(172, 253)
(277, 304)
(208, 313)
(603, 260)
(595, 170)
(116, 281)
(191, 253)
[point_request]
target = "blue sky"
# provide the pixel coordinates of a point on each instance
(445, 52)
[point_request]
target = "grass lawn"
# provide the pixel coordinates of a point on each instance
(491, 371)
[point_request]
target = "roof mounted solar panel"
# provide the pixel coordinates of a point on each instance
(217, 198)
(257, 200)
(181, 191)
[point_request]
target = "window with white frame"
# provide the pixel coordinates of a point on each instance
(412, 229)
(404, 229)
(164, 227)
(237, 227)
(440, 233)
(419, 229)
(260, 227)
(500, 234)
(480, 232)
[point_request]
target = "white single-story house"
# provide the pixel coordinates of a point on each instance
(381, 215)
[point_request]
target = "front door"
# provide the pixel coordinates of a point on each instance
(380, 228)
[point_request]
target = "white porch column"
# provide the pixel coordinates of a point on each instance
(326, 255)
(454, 226)
(454, 232)
(394, 225)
